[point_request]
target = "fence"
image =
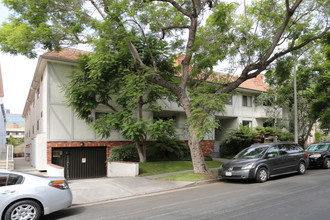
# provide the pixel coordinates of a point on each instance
(7, 157)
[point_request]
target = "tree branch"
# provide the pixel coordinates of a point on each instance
(97, 8)
(172, 27)
(176, 5)
(289, 13)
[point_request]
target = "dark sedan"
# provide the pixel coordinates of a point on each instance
(319, 154)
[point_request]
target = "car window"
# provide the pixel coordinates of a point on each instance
(274, 150)
(3, 179)
(252, 152)
(10, 179)
(283, 149)
(318, 147)
(14, 179)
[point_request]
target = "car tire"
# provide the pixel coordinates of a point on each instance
(25, 209)
(262, 175)
(302, 168)
(326, 163)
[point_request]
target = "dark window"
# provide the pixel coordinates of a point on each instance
(247, 123)
(38, 125)
(3, 179)
(274, 150)
(283, 149)
(247, 101)
(14, 179)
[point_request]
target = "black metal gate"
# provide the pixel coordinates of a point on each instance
(81, 162)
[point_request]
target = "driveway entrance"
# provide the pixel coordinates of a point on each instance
(81, 162)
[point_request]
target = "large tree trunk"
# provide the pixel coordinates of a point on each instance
(197, 154)
(142, 153)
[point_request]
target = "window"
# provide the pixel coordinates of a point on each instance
(247, 123)
(41, 114)
(38, 125)
(247, 101)
(3, 179)
(38, 93)
(230, 100)
(274, 150)
(14, 179)
(33, 129)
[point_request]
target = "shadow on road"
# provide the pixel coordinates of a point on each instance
(64, 213)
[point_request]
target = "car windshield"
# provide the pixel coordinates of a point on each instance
(318, 147)
(251, 152)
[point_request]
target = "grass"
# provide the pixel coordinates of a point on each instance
(153, 168)
(191, 177)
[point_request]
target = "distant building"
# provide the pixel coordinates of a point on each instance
(15, 125)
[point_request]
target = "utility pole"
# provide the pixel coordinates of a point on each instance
(295, 104)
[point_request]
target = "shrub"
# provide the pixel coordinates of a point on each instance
(168, 149)
(124, 153)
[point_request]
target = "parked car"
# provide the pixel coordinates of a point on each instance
(319, 154)
(262, 161)
(27, 196)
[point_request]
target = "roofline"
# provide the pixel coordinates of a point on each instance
(41, 65)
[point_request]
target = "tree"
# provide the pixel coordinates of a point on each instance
(312, 86)
(110, 79)
(252, 38)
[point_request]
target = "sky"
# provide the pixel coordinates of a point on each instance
(17, 74)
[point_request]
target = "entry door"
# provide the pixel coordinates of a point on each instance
(81, 162)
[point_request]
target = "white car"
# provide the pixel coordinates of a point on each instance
(26, 196)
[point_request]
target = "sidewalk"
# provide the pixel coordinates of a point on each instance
(103, 189)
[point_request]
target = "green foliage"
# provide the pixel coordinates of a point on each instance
(243, 137)
(14, 141)
(168, 149)
(318, 136)
(241, 134)
(124, 153)
(204, 98)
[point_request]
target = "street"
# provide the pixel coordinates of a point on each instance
(288, 197)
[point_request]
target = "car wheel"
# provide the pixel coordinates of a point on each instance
(326, 163)
(302, 168)
(25, 209)
(262, 175)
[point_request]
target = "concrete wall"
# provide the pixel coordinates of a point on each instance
(122, 169)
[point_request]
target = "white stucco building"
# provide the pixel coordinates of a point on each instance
(53, 135)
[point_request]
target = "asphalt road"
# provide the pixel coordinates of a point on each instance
(303, 197)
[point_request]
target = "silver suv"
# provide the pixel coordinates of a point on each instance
(261, 161)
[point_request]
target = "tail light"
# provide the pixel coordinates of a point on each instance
(60, 184)
(306, 154)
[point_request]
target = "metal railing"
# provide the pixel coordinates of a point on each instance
(10, 155)
(7, 157)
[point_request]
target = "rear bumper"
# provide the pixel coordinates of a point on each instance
(65, 202)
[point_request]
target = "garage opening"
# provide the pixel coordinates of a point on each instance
(81, 162)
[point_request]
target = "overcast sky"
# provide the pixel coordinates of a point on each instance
(17, 73)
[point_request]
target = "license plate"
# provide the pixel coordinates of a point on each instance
(228, 173)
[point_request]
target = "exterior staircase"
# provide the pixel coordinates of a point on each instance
(3, 164)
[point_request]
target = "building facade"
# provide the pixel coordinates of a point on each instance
(2, 121)
(53, 135)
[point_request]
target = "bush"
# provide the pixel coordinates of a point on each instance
(124, 153)
(168, 149)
